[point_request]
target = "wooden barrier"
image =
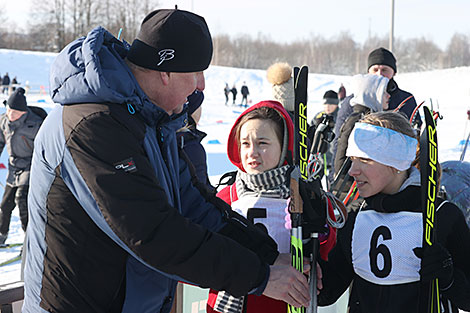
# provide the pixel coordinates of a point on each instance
(9, 294)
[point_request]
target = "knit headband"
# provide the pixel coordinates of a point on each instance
(382, 145)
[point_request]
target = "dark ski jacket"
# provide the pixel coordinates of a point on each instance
(345, 108)
(6, 80)
(397, 97)
(19, 136)
(245, 92)
(110, 229)
(189, 139)
(374, 252)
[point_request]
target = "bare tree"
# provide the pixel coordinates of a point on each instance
(458, 51)
(54, 23)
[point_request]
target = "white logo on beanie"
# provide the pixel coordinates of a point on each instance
(165, 55)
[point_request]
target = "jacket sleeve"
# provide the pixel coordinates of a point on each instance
(454, 234)
(337, 272)
(136, 208)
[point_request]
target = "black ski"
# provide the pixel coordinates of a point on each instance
(430, 296)
(300, 171)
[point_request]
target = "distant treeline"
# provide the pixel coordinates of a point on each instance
(54, 23)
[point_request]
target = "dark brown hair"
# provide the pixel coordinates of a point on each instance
(263, 113)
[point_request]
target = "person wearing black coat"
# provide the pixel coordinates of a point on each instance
(380, 62)
(18, 129)
(6, 83)
(379, 252)
(234, 93)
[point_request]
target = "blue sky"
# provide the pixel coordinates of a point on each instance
(285, 21)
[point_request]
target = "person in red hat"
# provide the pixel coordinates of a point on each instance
(260, 145)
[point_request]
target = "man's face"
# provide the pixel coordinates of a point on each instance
(329, 107)
(180, 86)
(382, 70)
(14, 115)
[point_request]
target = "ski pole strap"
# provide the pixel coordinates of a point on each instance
(333, 206)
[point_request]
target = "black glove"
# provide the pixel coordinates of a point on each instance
(436, 262)
(314, 209)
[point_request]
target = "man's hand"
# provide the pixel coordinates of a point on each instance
(287, 284)
(285, 259)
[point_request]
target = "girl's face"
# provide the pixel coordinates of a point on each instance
(260, 149)
(372, 177)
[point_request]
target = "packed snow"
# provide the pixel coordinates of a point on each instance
(448, 90)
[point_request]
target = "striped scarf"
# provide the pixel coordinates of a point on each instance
(269, 184)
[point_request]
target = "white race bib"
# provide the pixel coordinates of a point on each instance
(382, 246)
(269, 212)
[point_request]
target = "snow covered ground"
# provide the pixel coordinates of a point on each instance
(449, 90)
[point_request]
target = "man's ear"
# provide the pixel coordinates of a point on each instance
(165, 77)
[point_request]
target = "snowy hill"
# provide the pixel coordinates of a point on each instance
(449, 88)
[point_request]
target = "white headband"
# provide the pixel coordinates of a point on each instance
(382, 145)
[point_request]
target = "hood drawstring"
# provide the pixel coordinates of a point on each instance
(130, 108)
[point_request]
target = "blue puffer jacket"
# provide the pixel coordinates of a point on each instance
(111, 219)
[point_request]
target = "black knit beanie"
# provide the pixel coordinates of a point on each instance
(17, 100)
(172, 40)
(330, 97)
(382, 56)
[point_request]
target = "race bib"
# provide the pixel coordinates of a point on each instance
(270, 213)
(382, 246)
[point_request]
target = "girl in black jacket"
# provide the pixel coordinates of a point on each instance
(379, 250)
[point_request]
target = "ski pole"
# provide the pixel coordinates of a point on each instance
(462, 156)
(402, 104)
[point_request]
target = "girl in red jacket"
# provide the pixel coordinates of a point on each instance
(260, 144)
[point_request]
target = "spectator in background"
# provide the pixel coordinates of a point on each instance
(18, 129)
(328, 117)
(14, 84)
(383, 63)
(226, 93)
(245, 92)
(6, 83)
(234, 93)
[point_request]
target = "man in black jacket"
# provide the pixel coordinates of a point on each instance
(18, 128)
(380, 62)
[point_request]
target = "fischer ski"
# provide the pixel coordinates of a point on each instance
(430, 295)
(12, 260)
(300, 171)
(10, 245)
